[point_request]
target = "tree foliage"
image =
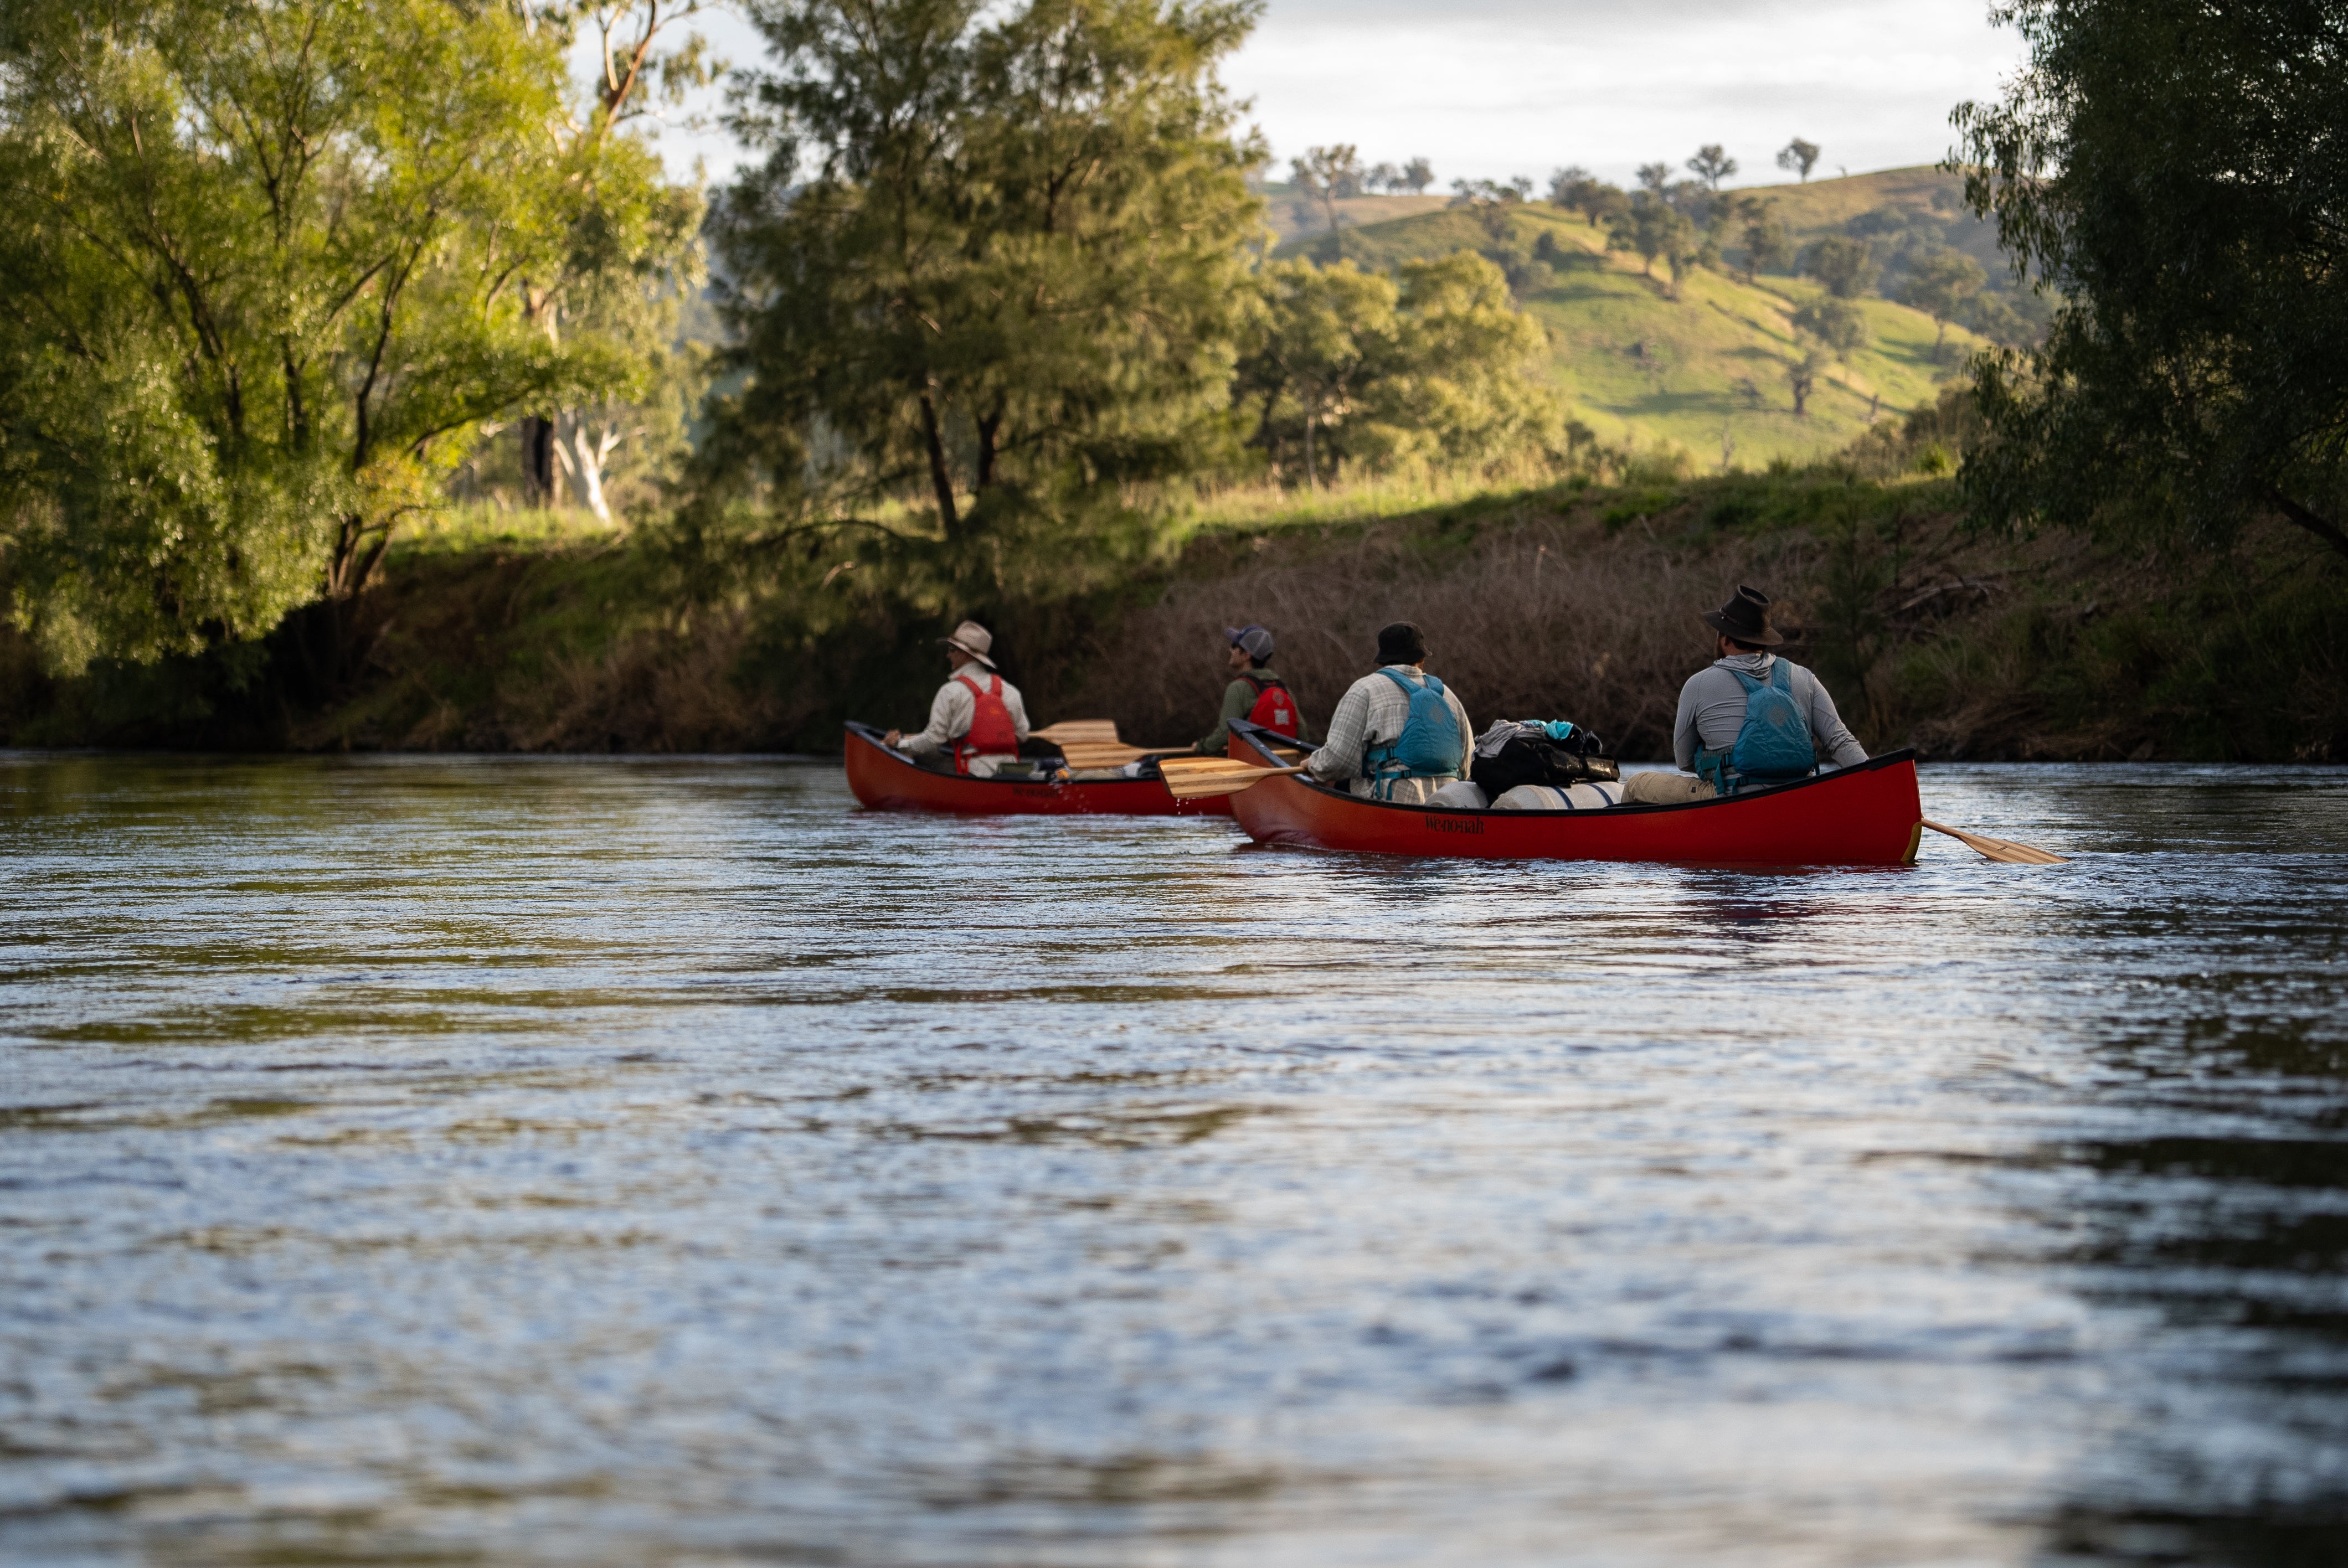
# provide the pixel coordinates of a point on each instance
(2173, 171)
(1437, 369)
(1846, 266)
(993, 256)
(1837, 323)
(1798, 157)
(265, 274)
(1941, 284)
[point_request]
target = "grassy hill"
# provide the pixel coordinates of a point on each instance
(1704, 373)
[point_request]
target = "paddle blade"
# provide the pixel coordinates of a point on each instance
(2001, 849)
(1088, 731)
(1199, 778)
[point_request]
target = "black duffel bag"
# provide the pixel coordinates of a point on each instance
(1530, 757)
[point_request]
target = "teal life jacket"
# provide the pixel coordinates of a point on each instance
(1429, 746)
(1773, 746)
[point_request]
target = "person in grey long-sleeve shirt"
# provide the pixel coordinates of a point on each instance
(1712, 704)
(1712, 711)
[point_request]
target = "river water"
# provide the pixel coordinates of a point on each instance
(609, 1161)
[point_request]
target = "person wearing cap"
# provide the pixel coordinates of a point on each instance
(1727, 710)
(1255, 694)
(976, 720)
(1387, 740)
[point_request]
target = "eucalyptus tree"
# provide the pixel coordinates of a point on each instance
(1436, 367)
(1329, 175)
(265, 277)
(2172, 173)
(1711, 165)
(1798, 157)
(1846, 266)
(995, 257)
(1941, 283)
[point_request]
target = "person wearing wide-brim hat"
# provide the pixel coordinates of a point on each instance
(976, 720)
(1750, 718)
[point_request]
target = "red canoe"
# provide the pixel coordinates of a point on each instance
(885, 780)
(1868, 815)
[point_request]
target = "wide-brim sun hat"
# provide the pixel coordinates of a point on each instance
(972, 639)
(1745, 618)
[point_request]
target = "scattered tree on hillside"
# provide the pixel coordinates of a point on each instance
(266, 286)
(996, 256)
(1491, 200)
(2172, 173)
(1837, 323)
(1845, 266)
(1592, 197)
(1652, 227)
(1329, 175)
(1565, 185)
(1942, 286)
(1383, 178)
(1799, 155)
(1352, 367)
(1769, 245)
(1711, 165)
(1418, 174)
(1809, 361)
(1655, 178)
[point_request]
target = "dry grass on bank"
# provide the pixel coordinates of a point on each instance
(1553, 619)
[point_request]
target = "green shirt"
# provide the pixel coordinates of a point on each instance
(1238, 699)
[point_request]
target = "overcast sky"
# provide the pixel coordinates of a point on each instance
(1489, 88)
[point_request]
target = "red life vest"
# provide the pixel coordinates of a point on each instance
(1274, 708)
(991, 732)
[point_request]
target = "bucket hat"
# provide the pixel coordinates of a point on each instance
(972, 639)
(1745, 618)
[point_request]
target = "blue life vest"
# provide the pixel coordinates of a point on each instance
(1774, 744)
(1429, 746)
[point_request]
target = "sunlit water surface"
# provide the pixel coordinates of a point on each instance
(601, 1161)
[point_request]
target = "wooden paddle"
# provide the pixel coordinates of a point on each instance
(1197, 778)
(1083, 731)
(2002, 849)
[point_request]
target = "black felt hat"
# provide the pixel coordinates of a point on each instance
(1745, 618)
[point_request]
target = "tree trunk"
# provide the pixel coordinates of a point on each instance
(2314, 523)
(538, 477)
(583, 462)
(1312, 479)
(940, 477)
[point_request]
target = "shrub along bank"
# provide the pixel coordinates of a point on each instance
(1576, 601)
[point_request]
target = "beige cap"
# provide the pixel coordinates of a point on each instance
(974, 639)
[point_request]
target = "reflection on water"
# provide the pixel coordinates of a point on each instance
(580, 1161)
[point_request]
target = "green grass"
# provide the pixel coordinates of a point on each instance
(1703, 374)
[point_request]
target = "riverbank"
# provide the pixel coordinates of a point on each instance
(1570, 602)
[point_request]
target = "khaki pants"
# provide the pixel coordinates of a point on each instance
(1664, 789)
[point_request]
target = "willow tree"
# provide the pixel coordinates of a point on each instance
(263, 269)
(2172, 170)
(993, 256)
